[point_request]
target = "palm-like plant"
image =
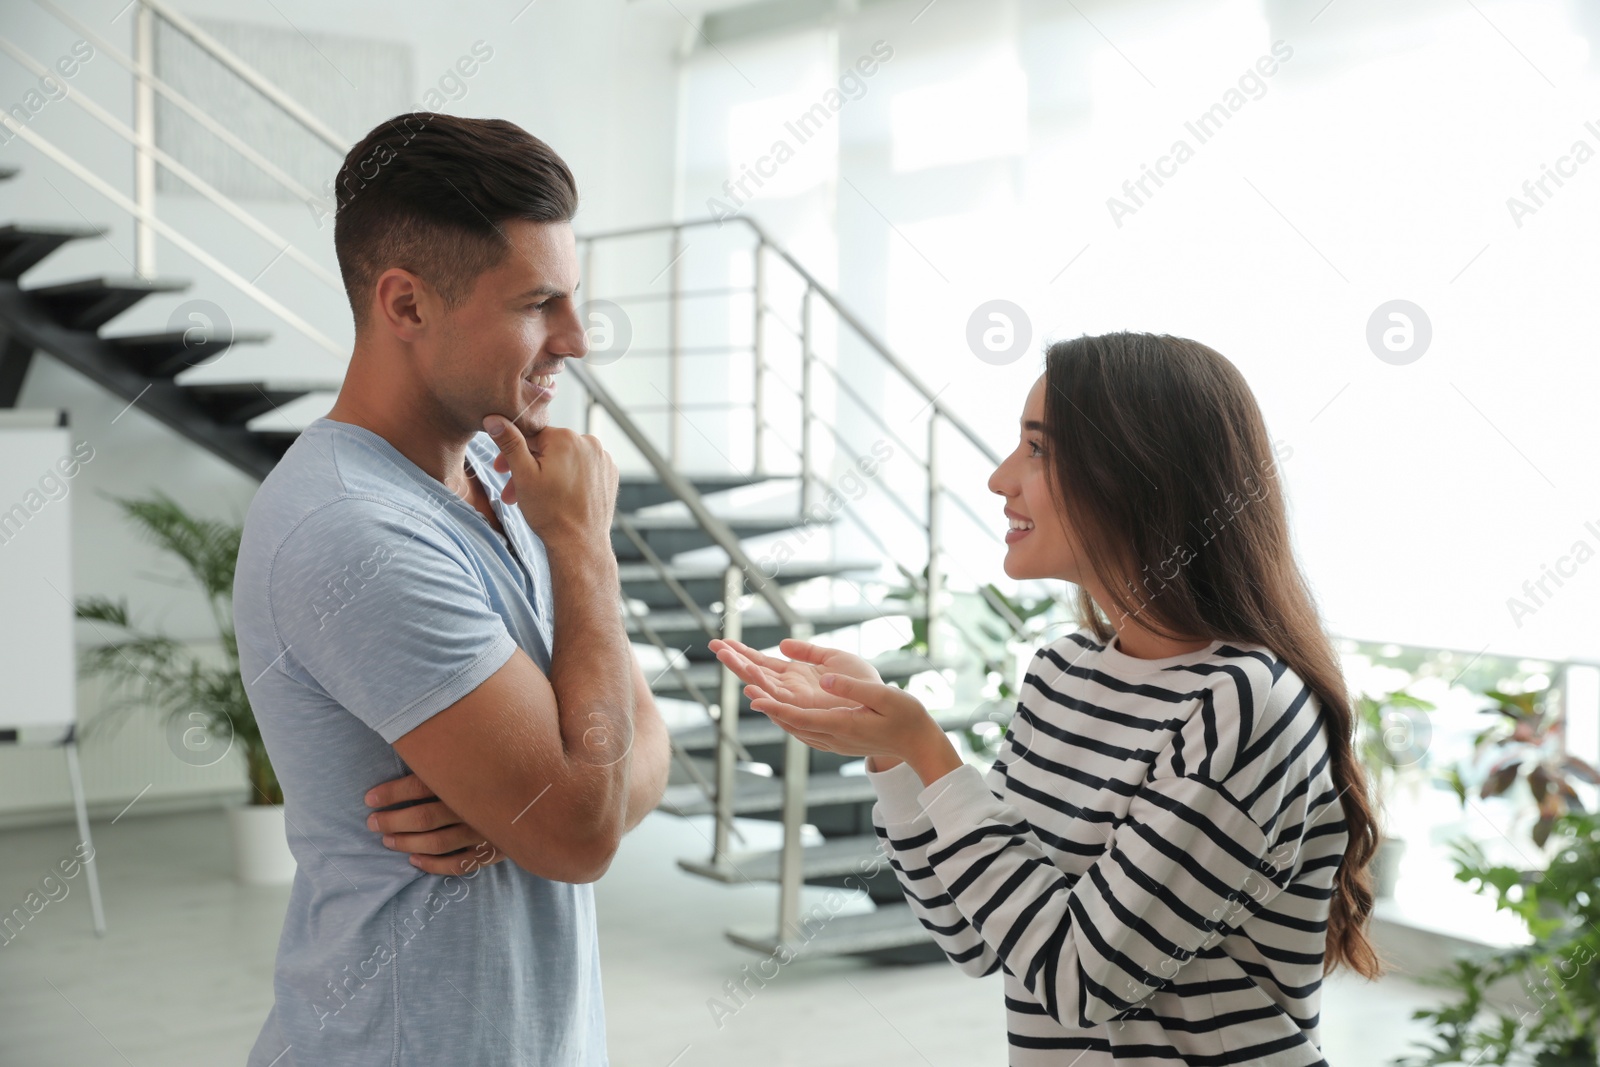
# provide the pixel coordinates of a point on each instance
(1392, 734)
(151, 670)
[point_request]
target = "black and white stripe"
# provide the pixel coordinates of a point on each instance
(1149, 860)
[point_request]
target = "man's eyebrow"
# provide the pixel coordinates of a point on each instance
(545, 290)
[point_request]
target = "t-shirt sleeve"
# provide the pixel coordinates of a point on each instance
(388, 616)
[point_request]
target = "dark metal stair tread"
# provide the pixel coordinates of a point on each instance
(891, 666)
(23, 245)
(171, 352)
(646, 524)
(758, 793)
(757, 729)
(835, 856)
(761, 615)
(163, 338)
(722, 481)
(794, 570)
(110, 281)
(237, 402)
(249, 385)
(45, 229)
(643, 489)
(888, 926)
(86, 304)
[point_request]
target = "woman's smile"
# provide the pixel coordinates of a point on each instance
(1020, 527)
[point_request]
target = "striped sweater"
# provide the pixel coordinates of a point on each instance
(1149, 860)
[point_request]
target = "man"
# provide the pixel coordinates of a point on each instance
(428, 613)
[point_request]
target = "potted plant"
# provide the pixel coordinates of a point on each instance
(1392, 735)
(203, 704)
(1555, 1019)
(1527, 743)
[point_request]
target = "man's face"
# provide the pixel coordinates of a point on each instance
(498, 352)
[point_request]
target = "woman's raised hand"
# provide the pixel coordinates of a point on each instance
(796, 681)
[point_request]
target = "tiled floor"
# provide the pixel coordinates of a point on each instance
(183, 977)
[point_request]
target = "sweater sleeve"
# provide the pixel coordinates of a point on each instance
(904, 833)
(1185, 867)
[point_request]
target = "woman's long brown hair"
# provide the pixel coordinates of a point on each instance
(1161, 463)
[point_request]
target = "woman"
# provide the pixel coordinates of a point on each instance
(1170, 850)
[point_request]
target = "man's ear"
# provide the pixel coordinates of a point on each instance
(402, 303)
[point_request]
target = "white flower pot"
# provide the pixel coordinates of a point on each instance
(1386, 867)
(261, 853)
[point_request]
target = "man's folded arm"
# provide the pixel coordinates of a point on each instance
(496, 757)
(539, 765)
(390, 618)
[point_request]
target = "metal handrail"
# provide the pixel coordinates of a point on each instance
(839, 309)
(183, 103)
(193, 180)
(146, 155)
(142, 134)
(104, 188)
(249, 75)
(684, 490)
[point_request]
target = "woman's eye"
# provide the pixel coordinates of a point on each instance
(1034, 449)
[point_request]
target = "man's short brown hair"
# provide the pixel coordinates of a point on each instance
(428, 192)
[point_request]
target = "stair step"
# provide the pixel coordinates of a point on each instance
(756, 793)
(166, 354)
(236, 403)
(641, 490)
(703, 581)
(668, 535)
(894, 667)
(277, 440)
(835, 856)
(889, 926)
(90, 303)
(760, 627)
(24, 244)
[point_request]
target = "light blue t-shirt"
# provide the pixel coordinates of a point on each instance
(369, 597)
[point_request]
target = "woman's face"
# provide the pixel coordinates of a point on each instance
(1046, 550)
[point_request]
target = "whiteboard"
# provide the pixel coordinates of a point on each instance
(39, 473)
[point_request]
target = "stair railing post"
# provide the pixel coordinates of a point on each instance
(935, 587)
(727, 715)
(758, 352)
(674, 324)
(791, 864)
(805, 401)
(144, 126)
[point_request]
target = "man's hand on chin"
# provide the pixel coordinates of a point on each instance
(433, 834)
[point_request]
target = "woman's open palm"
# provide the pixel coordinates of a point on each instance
(796, 681)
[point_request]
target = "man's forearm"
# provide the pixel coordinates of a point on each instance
(652, 759)
(591, 673)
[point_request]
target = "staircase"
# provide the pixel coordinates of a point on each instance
(684, 541)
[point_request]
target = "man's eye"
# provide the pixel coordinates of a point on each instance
(539, 306)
